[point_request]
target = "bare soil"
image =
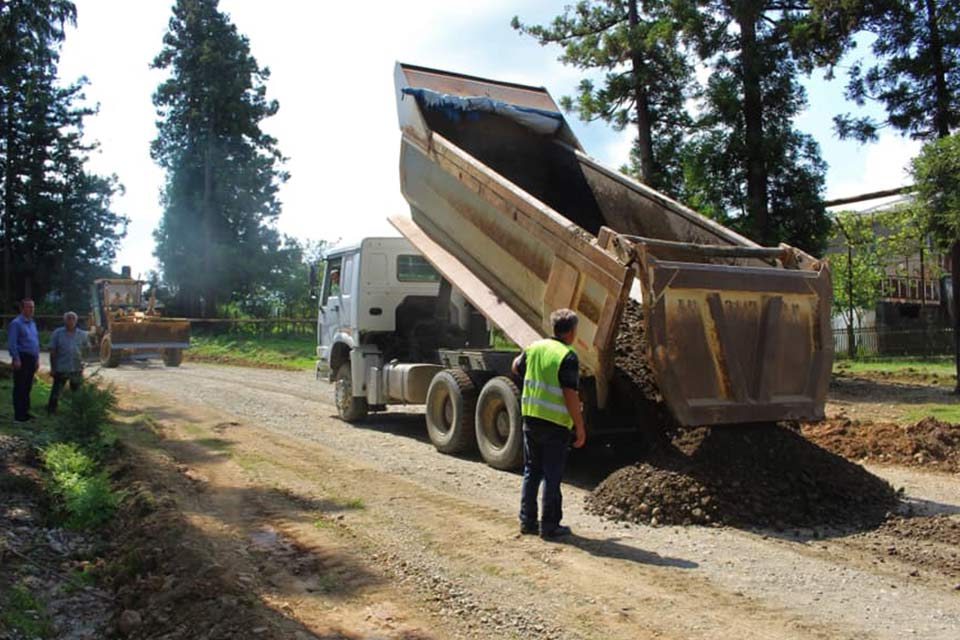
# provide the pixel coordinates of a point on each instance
(261, 463)
(929, 443)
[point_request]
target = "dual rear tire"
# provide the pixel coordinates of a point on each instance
(460, 419)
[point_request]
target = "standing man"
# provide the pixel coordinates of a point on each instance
(550, 405)
(24, 346)
(66, 363)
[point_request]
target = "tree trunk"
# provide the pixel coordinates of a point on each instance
(955, 286)
(9, 203)
(941, 117)
(747, 15)
(207, 225)
(851, 336)
(641, 102)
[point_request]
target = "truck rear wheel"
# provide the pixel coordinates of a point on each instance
(499, 429)
(349, 407)
(451, 403)
(172, 357)
(109, 357)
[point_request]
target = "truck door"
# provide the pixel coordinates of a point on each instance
(330, 303)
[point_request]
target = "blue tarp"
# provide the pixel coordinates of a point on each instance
(457, 107)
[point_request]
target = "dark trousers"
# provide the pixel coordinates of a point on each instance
(545, 448)
(60, 381)
(22, 384)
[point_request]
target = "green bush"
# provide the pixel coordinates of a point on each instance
(84, 491)
(85, 413)
(65, 459)
(23, 612)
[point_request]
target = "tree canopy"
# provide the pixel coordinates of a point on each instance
(647, 76)
(59, 230)
(216, 241)
(915, 73)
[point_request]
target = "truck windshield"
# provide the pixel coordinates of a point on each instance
(413, 268)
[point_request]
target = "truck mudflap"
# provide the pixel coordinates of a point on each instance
(148, 334)
(732, 345)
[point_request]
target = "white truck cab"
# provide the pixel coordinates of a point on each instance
(390, 330)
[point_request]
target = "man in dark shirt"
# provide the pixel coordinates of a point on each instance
(550, 405)
(23, 343)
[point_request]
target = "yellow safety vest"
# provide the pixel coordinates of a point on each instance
(542, 395)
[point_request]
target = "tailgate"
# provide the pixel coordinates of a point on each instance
(150, 334)
(735, 344)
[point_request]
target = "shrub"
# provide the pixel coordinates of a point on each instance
(85, 492)
(85, 413)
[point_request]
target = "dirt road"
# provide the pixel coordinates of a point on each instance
(392, 539)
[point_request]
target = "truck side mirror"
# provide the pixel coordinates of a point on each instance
(313, 282)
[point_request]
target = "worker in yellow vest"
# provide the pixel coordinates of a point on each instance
(550, 405)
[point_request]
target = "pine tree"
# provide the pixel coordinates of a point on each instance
(58, 227)
(745, 163)
(216, 240)
(635, 43)
(915, 73)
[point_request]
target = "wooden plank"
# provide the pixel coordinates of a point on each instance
(472, 288)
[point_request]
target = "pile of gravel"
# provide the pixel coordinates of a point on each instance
(755, 476)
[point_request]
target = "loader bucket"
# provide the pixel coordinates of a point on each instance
(150, 333)
(738, 344)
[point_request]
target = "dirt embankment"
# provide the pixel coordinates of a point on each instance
(929, 443)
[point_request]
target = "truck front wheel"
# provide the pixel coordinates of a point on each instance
(349, 407)
(499, 429)
(451, 403)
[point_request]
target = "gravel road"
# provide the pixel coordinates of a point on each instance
(662, 582)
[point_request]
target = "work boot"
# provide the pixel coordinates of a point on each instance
(528, 529)
(556, 532)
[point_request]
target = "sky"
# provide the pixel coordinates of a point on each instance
(332, 73)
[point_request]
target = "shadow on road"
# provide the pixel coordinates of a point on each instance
(611, 548)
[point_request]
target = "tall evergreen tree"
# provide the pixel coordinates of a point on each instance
(216, 240)
(915, 72)
(58, 227)
(635, 43)
(746, 163)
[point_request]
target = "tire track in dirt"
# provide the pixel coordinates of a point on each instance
(759, 584)
(639, 590)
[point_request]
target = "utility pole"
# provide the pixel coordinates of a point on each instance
(851, 338)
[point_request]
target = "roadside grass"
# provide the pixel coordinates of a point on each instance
(943, 368)
(73, 446)
(38, 402)
(940, 411)
(349, 503)
(24, 613)
(270, 352)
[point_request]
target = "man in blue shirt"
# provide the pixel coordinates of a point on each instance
(24, 346)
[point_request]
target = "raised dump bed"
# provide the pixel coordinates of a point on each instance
(510, 210)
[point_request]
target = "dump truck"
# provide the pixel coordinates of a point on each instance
(514, 221)
(125, 326)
